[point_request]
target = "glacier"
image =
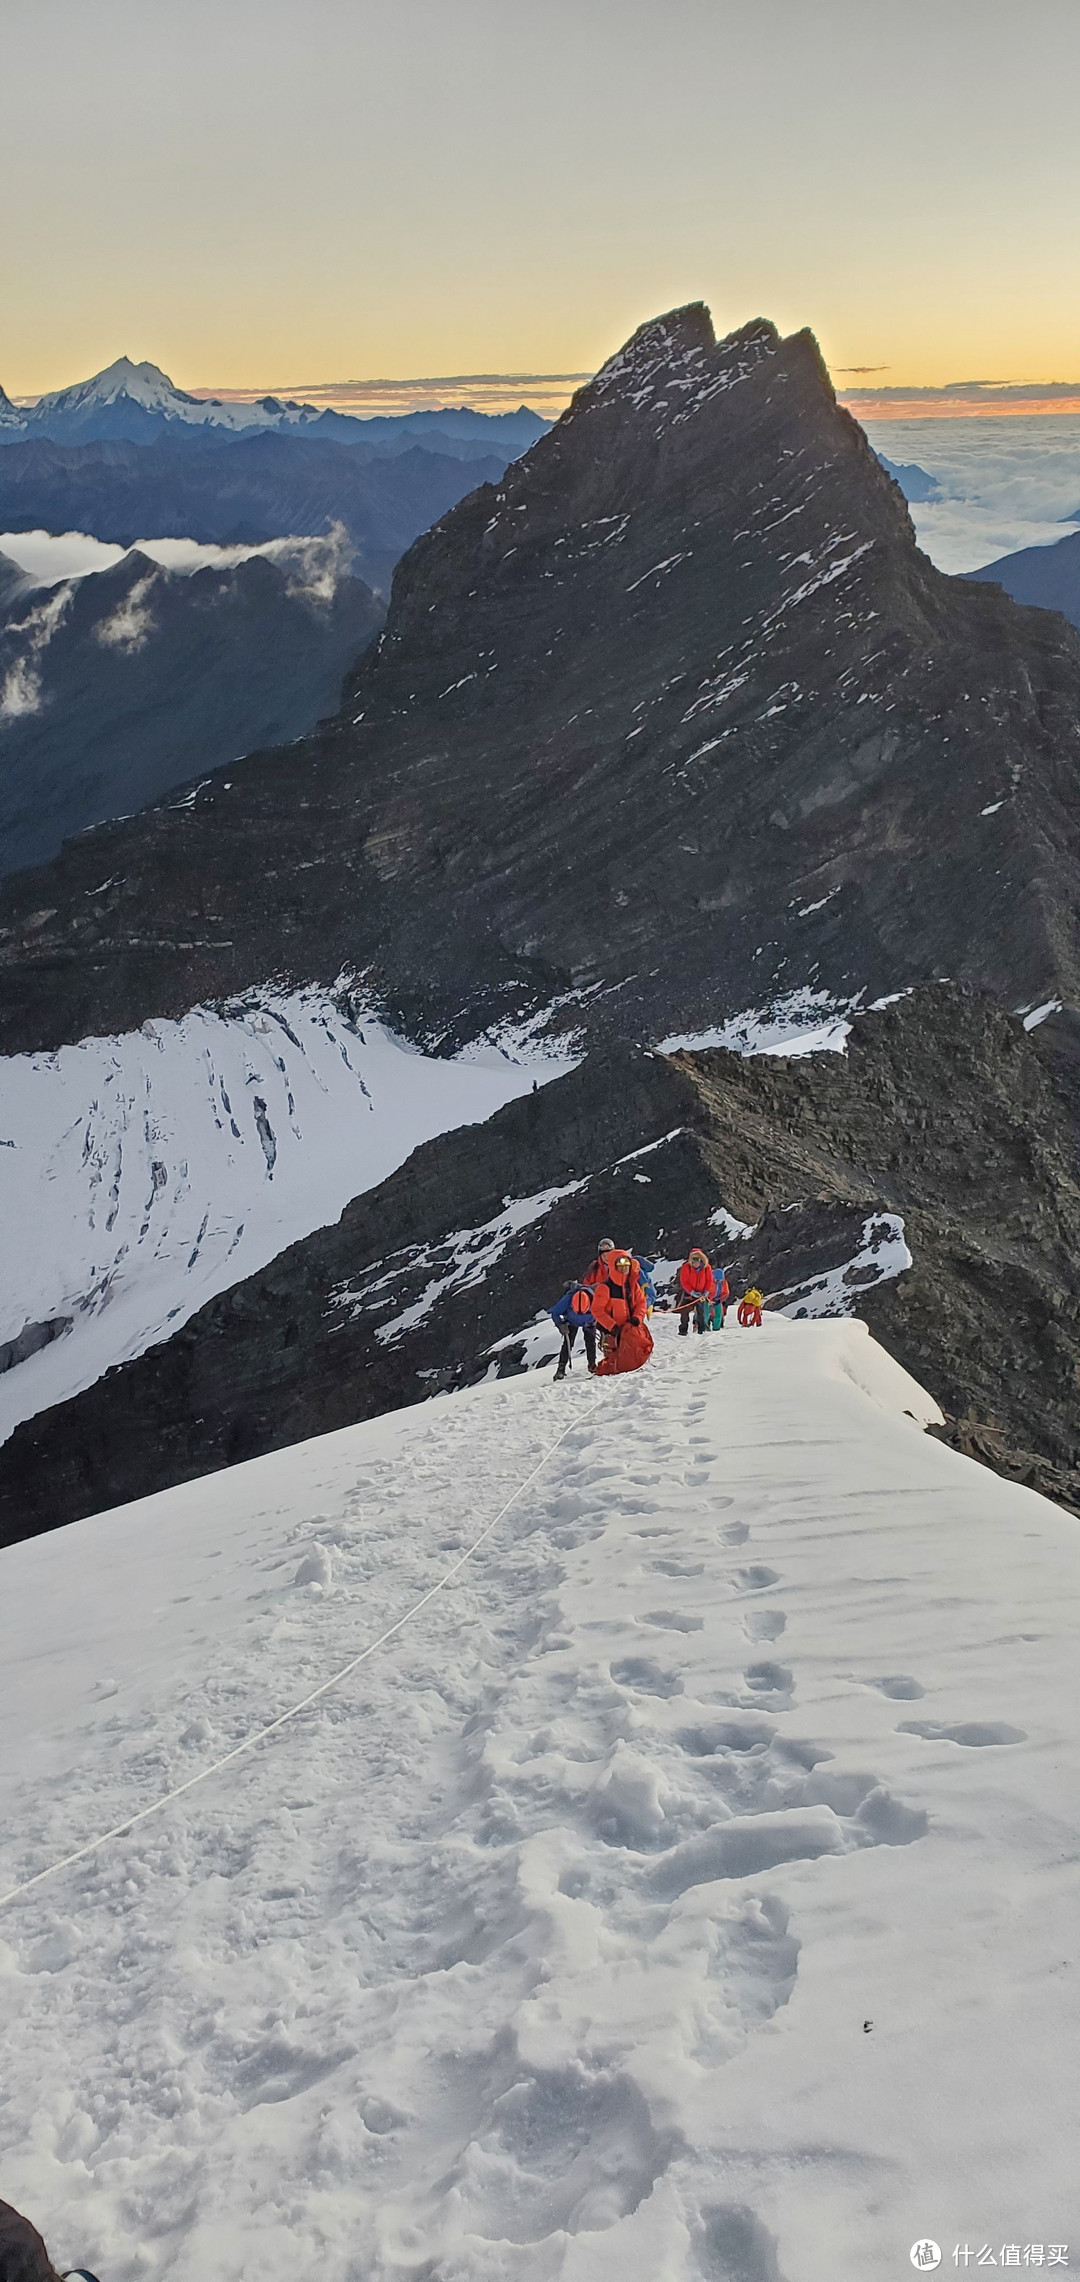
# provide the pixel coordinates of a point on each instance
(140, 1175)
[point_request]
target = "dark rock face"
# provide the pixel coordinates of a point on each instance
(1049, 577)
(118, 686)
(242, 492)
(677, 712)
(945, 1112)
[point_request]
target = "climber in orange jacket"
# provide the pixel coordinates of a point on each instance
(620, 1309)
(695, 1291)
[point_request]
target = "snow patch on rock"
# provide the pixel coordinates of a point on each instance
(801, 1022)
(882, 1255)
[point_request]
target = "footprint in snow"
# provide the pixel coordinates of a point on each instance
(541, 2137)
(678, 1568)
(644, 1674)
(756, 1578)
(750, 1732)
(766, 1624)
(769, 1679)
(734, 2243)
(770, 1682)
(900, 1687)
(974, 1733)
(673, 1620)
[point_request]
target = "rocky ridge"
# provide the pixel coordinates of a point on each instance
(115, 686)
(945, 1115)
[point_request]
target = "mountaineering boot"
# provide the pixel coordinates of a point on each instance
(684, 1323)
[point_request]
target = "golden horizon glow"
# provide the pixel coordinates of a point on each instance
(903, 407)
(469, 187)
(550, 394)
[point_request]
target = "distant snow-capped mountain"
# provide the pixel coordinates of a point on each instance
(138, 403)
(133, 400)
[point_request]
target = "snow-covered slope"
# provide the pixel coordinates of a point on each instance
(139, 1175)
(687, 1893)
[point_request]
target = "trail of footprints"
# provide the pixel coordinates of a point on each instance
(625, 1784)
(690, 1792)
(654, 1791)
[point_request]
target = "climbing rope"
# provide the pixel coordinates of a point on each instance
(129, 1823)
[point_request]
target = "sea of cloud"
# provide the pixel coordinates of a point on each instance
(1007, 481)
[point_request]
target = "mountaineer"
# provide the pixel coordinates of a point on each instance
(620, 1309)
(695, 1290)
(571, 1314)
(645, 1268)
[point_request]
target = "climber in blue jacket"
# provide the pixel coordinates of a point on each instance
(647, 1272)
(573, 1313)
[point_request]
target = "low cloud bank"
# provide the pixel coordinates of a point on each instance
(313, 566)
(1005, 483)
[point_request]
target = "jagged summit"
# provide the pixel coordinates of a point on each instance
(676, 719)
(674, 364)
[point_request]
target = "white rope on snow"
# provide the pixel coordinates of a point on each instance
(120, 1829)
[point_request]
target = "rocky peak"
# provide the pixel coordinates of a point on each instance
(673, 365)
(673, 722)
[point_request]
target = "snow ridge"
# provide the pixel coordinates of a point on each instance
(633, 1917)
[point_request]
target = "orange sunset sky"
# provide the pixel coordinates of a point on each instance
(287, 193)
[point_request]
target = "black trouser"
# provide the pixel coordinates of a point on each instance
(697, 1310)
(588, 1333)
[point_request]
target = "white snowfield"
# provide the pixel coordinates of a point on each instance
(688, 1893)
(140, 1175)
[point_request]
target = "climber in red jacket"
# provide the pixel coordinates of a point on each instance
(695, 1291)
(620, 1309)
